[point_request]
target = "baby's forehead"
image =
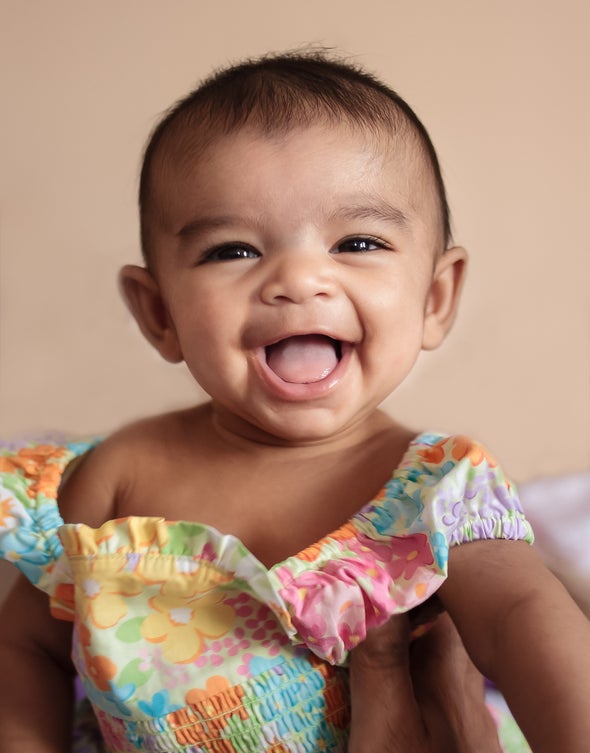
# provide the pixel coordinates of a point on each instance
(187, 153)
(186, 147)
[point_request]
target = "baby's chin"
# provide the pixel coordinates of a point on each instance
(296, 426)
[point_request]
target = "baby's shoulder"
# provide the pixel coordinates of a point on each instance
(97, 482)
(145, 438)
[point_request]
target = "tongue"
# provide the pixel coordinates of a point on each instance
(303, 359)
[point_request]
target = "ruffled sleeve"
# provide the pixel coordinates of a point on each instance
(469, 497)
(451, 488)
(29, 515)
(393, 555)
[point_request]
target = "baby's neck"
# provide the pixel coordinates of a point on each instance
(240, 435)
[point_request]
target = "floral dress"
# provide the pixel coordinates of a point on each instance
(184, 641)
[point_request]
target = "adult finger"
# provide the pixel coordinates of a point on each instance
(385, 715)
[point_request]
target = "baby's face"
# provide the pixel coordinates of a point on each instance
(297, 273)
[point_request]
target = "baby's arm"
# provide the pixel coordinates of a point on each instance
(36, 675)
(36, 672)
(525, 633)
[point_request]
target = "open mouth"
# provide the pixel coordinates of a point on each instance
(304, 359)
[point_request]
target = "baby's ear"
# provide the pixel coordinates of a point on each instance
(142, 295)
(443, 297)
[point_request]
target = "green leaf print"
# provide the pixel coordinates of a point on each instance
(133, 674)
(18, 486)
(130, 631)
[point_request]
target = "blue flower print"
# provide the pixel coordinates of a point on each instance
(440, 549)
(115, 702)
(398, 511)
(81, 446)
(159, 706)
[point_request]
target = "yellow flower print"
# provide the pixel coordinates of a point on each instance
(103, 597)
(182, 622)
(145, 533)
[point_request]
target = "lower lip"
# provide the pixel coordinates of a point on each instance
(299, 392)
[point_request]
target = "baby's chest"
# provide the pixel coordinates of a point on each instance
(272, 521)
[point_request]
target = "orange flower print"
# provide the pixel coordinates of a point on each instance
(47, 481)
(182, 622)
(190, 729)
(101, 670)
(463, 447)
(345, 532)
(5, 505)
(434, 453)
(312, 552)
(460, 447)
(62, 602)
(217, 703)
(217, 686)
(38, 465)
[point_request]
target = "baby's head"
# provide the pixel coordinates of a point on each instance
(295, 231)
(275, 95)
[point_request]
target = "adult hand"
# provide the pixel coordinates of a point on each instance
(420, 697)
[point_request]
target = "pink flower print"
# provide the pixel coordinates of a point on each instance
(146, 656)
(379, 568)
(318, 600)
(332, 608)
(113, 732)
(411, 553)
(208, 553)
(352, 635)
(320, 636)
(244, 668)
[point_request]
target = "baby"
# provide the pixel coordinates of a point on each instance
(219, 563)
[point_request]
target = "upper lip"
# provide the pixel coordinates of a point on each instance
(268, 333)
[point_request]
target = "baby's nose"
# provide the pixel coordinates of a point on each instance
(297, 276)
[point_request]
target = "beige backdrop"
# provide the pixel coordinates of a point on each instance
(503, 88)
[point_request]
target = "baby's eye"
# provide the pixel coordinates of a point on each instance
(229, 252)
(359, 245)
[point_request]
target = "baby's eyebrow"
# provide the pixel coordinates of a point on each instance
(374, 209)
(205, 224)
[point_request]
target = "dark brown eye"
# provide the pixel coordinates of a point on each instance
(229, 252)
(358, 245)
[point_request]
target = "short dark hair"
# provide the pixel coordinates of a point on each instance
(276, 93)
